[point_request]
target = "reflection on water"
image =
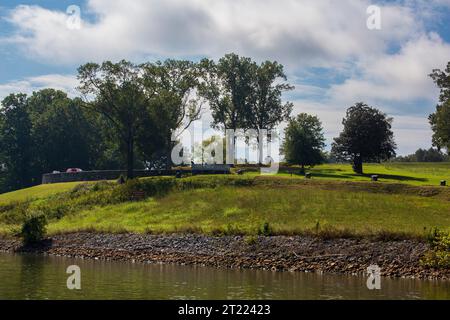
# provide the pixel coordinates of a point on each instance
(43, 277)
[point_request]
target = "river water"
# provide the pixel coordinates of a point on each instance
(44, 277)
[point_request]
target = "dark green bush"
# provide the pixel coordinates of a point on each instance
(265, 230)
(34, 228)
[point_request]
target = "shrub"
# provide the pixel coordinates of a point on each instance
(265, 230)
(251, 240)
(439, 254)
(34, 228)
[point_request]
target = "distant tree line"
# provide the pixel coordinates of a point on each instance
(424, 155)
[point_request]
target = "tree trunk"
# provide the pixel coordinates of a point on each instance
(260, 141)
(169, 152)
(130, 158)
(302, 169)
(358, 165)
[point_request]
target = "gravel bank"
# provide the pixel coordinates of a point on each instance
(280, 253)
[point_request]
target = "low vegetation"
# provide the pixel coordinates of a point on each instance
(34, 228)
(232, 204)
(439, 255)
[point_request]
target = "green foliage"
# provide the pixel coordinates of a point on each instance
(34, 228)
(243, 94)
(424, 155)
(16, 142)
(439, 255)
(304, 141)
(265, 230)
(440, 124)
(440, 120)
(367, 136)
(35, 137)
(251, 240)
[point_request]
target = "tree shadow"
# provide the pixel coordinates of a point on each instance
(340, 174)
(392, 177)
(41, 246)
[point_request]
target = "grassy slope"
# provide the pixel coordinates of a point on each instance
(287, 208)
(36, 192)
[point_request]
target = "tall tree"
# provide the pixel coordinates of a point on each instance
(440, 120)
(367, 136)
(228, 86)
(266, 109)
(62, 134)
(16, 144)
(176, 102)
(303, 141)
(119, 95)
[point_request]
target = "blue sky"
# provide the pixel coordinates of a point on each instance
(329, 54)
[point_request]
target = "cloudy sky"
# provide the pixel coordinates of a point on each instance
(330, 55)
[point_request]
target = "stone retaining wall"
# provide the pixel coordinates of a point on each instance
(115, 174)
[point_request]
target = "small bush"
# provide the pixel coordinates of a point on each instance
(251, 240)
(265, 230)
(439, 255)
(34, 228)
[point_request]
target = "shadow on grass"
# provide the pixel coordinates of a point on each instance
(392, 177)
(338, 174)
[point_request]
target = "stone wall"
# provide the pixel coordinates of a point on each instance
(100, 175)
(115, 174)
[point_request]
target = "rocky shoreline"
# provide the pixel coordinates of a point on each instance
(278, 253)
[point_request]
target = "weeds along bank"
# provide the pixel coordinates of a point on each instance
(234, 205)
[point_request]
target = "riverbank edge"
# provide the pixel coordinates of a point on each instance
(396, 258)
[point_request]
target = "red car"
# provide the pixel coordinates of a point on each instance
(72, 170)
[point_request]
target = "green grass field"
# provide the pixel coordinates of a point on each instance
(335, 200)
(409, 173)
(246, 209)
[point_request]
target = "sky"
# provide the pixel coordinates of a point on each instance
(330, 55)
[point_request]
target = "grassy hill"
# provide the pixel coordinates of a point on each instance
(334, 202)
(36, 192)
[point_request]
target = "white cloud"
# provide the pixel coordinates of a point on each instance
(67, 83)
(397, 78)
(299, 33)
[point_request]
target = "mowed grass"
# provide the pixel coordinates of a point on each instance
(287, 210)
(334, 199)
(408, 173)
(36, 192)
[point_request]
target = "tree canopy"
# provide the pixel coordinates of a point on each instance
(440, 120)
(303, 141)
(367, 136)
